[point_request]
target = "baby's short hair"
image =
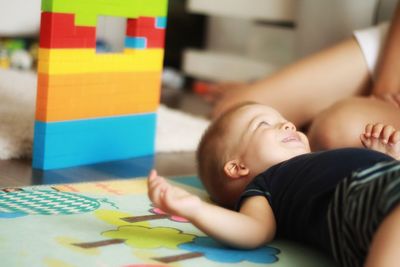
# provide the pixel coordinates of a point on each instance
(212, 154)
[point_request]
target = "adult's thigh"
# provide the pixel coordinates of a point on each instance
(341, 124)
(300, 91)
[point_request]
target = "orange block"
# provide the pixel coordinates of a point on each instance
(82, 96)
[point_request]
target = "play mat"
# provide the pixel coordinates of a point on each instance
(112, 223)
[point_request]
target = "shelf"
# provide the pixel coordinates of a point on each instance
(265, 10)
(216, 66)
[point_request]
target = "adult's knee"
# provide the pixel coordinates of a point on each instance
(338, 126)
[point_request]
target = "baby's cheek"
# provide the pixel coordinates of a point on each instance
(305, 140)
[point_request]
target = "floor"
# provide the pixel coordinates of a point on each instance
(17, 173)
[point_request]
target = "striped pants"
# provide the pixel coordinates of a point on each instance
(360, 204)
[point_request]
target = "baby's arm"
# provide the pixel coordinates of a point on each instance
(382, 138)
(253, 226)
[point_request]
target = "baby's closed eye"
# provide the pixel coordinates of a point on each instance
(263, 123)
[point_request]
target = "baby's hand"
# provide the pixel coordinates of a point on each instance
(382, 138)
(172, 199)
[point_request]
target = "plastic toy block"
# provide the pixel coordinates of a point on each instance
(74, 143)
(59, 31)
(70, 61)
(144, 27)
(87, 10)
(144, 24)
(85, 97)
(144, 42)
(161, 22)
(86, 101)
(136, 42)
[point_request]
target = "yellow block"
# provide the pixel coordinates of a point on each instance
(70, 61)
(81, 96)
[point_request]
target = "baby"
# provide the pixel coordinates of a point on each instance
(260, 171)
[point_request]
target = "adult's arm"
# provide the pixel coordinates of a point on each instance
(387, 84)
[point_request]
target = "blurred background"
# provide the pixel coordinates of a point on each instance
(206, 41)
(213, 40)
(210, 40)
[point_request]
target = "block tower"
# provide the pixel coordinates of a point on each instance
(97, 107)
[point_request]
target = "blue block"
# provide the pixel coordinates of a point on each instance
(136, 42)
(81, 142)
(161, 22)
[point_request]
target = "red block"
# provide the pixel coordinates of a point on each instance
(142, 23)
(146, 27)
(58, 30)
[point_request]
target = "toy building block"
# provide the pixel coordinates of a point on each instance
(115, 94)
(145, 32)
(87, 11)
(72, 61)
(58, 30)
(91, 141)
(96, 107)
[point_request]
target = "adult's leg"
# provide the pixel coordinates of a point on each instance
(302, 90)
(341, 124)
(385, 249)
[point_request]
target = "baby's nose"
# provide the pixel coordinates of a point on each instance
(288, 126)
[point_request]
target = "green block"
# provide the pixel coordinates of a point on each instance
(87, 11)
(86, 19)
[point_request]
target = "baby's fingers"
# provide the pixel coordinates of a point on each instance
(376, 130)
(167, 197)
(394, 137)
(154, 193)
(368, 130)
(156, 185)
(151, 178)
(386, 133)
(366, 141)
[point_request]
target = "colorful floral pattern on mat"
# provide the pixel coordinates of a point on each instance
(113, 224)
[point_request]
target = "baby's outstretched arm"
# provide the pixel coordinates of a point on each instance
(382, 138)
(172, 199)
(253, 226)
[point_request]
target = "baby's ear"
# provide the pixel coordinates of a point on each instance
(236, 169)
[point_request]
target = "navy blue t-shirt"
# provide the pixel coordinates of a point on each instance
(300, 189)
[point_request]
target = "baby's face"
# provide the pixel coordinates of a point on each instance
(260, 137)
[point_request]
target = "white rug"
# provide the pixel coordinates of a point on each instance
(176, 130)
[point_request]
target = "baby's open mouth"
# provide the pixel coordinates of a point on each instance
(291, 138)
